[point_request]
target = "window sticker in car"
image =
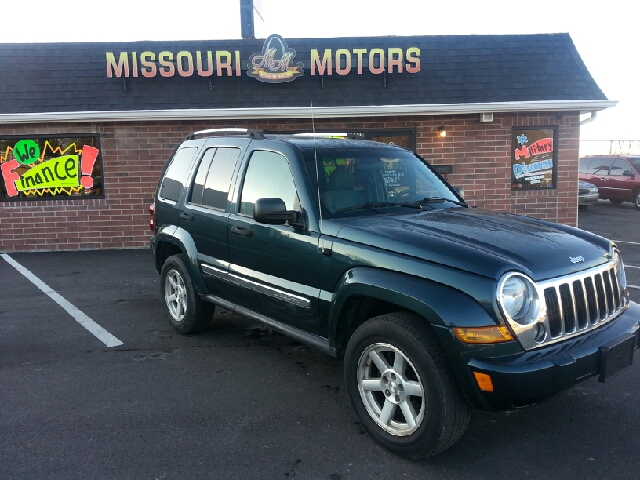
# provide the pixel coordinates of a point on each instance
(50, 167)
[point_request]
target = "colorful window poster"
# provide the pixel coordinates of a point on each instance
(534, 158)
(46, 168)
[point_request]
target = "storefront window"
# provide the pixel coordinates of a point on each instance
(50, 168)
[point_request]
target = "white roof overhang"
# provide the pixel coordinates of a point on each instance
(582, 106)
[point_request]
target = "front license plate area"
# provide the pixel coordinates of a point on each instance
(616, 356)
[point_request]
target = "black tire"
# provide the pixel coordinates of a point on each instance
(636, 198)
(186, 312)
(417, 380)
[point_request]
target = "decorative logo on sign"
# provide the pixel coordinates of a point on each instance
(275, 63)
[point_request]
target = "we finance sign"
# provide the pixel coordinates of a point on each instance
(275, 63)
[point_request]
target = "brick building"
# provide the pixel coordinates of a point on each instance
(85, 129)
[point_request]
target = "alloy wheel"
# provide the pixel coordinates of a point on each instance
(391, 389)
(175, 295)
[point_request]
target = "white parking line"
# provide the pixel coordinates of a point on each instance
(630, 266)
(622, 241)
(99, 332)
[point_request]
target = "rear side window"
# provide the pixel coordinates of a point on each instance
(176, 175)
(211, 186)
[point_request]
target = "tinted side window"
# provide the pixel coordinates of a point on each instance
(201, 176)
(216, 187)
(176, 174)
(635, 161)
(619, 168)
(268, 176)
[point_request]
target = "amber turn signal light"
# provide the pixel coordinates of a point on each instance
(484, 381)
(490, 334)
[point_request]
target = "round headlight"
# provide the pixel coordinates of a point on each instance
(518, 299)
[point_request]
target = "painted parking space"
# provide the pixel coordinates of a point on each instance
(96, 330)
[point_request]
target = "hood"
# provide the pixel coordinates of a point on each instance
(484, 242)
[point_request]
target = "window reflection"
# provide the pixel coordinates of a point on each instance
(268, 176)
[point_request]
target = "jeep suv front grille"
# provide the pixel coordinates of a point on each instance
(582, 301)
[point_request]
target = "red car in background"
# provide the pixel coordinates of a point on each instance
(616, 176)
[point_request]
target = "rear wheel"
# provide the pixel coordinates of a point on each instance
(636, 198)
(401, 386)
(187, 313)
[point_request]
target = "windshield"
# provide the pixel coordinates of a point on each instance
(354, 181)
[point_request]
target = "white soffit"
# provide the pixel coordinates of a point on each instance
(582, 106)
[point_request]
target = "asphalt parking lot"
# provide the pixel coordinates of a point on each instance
(241, 402)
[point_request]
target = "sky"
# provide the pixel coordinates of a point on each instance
(605, 34)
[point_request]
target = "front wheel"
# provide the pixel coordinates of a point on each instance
(401, 387)
(187, 313)
(636, 198)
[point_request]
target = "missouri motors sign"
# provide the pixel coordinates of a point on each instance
(274, 64)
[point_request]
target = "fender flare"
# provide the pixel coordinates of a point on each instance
(179, 237)
(439, 304)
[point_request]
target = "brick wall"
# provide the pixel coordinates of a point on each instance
(134, 154)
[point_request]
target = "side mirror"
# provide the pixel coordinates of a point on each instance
(629, 173)
(459, 191)
(273, 211)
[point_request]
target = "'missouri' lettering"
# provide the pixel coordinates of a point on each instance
(166, 64)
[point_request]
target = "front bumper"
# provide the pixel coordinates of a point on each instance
(588, 199)
(527, 378)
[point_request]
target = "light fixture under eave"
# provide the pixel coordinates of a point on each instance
(442, 131)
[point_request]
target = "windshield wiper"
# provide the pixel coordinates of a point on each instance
(374, 205)
(428, 200)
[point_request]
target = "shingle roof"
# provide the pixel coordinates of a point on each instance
(72, 77)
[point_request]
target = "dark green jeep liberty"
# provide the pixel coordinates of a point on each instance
(363, 250)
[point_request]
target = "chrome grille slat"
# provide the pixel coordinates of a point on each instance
(568, 308)
(582, 311)
(616, 288)
(600, 298)
(592, 300)
(554, 315)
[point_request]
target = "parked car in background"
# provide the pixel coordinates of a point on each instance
(617, 177)
(587, 194)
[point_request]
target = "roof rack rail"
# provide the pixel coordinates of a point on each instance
(249, 132)
(350, 136)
